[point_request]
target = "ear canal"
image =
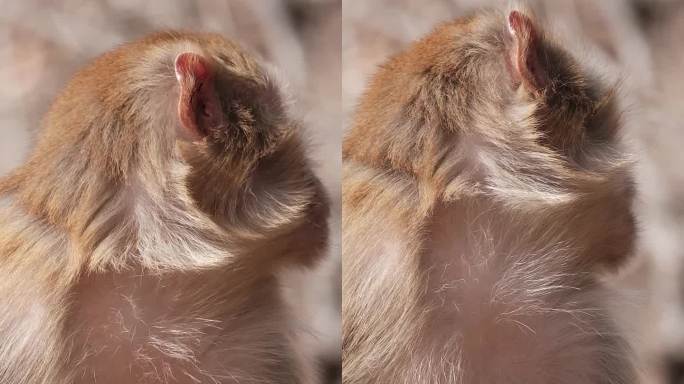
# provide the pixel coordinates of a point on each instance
(198, 103)
(524, 50)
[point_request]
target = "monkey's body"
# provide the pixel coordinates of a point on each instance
(140, 241)
(469, 294)
(483, 187)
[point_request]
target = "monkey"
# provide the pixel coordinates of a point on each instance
(141, 239)
(487, 190)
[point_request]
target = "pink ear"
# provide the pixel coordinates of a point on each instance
(198, 103)
(526, 66)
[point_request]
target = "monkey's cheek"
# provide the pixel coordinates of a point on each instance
(616, 245)
(188, 136)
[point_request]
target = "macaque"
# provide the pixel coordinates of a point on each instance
(140, 241)
(485, 193)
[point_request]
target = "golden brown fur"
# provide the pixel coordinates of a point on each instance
(484, 186)
(129, 253)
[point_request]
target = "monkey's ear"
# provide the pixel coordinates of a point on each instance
(524, 53)
(199, 106)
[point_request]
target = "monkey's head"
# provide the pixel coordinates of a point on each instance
(233, 123)
(175, 121)
(491, 106)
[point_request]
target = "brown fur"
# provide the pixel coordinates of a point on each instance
(478, 204)
(130, 254)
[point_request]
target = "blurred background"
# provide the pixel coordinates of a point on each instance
(42, 44)
(640, 43)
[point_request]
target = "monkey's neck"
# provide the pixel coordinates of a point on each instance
(178, 214)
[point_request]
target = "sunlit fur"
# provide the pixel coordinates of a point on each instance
(477, 214)
(130, 255)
